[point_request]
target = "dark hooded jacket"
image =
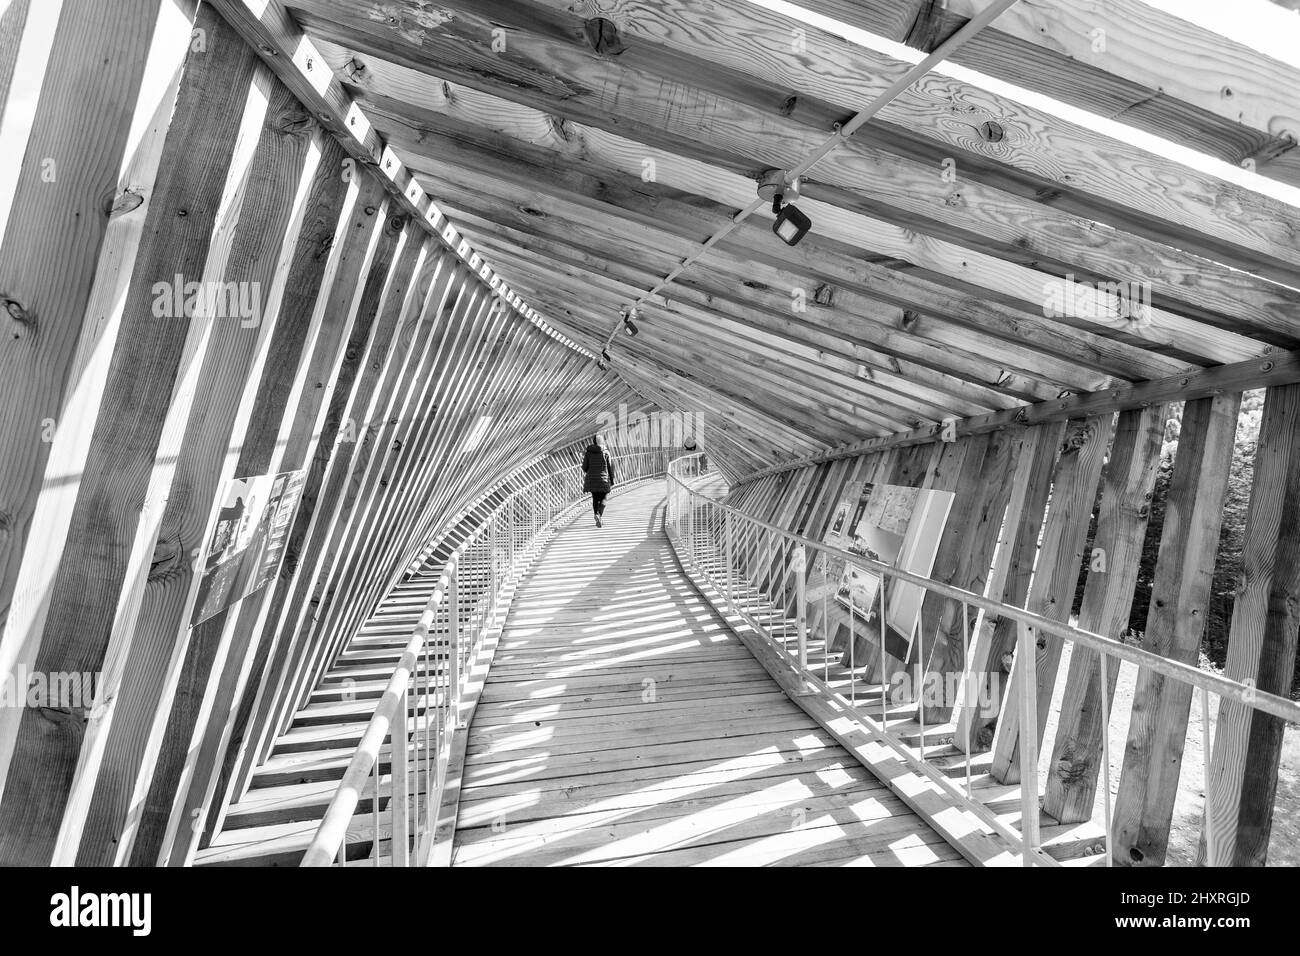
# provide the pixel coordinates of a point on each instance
(598, 471)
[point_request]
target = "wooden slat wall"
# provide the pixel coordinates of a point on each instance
(1262, 642)
(376, 351)
(1180, 597)
(1025, 487)
(380, 346)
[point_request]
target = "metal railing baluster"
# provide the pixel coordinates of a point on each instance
(746, 546)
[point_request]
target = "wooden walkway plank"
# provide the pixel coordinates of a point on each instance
(654, 737)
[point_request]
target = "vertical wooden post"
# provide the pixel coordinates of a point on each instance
(1242, 783)
(150, 646)
(148, 359)
(801, 603)
(57, 217)
(1180, 595)
(1009, 578)
(398, 805)
(984, 496)
(1056, 574)
(1107, 599)
(316, 301)
(1026, 693)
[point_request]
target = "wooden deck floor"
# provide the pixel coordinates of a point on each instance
(624, 724)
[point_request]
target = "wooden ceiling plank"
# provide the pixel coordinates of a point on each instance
(822, 261)
(820, 411)
(772, 440)
(412, 105)
(878, 344)
(1280, 369)
(1104, 179)
(1151, 69)
(729, 439)
(721, 333)
(1009, 282)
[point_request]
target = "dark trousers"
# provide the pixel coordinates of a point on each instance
(598, 502)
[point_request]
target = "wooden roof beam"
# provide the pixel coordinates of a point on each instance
(877, 343)
(824, 414)
(862, 178)
(834, 371)
(1104, 179)
(274, 34)
(1280, 369)
(821, 260)
(1008, 282)
(1125, 60)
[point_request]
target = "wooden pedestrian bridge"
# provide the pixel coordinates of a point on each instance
(621, 721)
(654, 692)
(947, 356)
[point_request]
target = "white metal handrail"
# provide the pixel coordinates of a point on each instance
(469, 594)
(716, 540)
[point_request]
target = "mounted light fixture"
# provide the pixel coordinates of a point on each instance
(791, 223)
(628, 325)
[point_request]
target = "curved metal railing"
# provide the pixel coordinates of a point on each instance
(420, 710)
(749, 562)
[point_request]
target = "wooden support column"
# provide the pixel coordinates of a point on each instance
(984, 499)
(321, 215)
(1056, 576)
(58, 216)
(319, 294)
(200, 444)
(1180, 594)
(73, 419)
(1013, 567)
(163, 818)
(13, 18)
(1107, 599)
(363, 299)
(112, 522)
(1262, 646)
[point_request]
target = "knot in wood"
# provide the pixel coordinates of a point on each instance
(602, 35)
(125, 201)
(23, 319)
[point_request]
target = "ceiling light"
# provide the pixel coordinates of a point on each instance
(778, 186)
(791, 224)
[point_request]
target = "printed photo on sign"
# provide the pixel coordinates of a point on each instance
(898, 526)
(248, 540)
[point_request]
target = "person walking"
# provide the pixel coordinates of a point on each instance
(598, 478)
